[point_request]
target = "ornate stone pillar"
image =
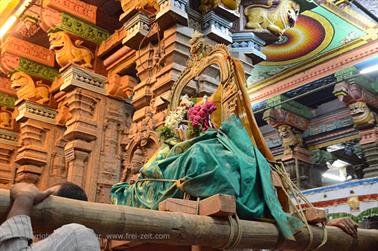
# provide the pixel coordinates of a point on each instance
(36, 123)
(362, 99)
(290, 122)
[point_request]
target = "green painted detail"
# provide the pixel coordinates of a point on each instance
(290, 106)
(321, 157)
(82, 29)
(346, 74)
(7, 100)
(359, 218)
(327, 127)
(369, 83)
(37, 70)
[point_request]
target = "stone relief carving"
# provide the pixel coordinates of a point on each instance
(67, 52)
(28, 27)
(290, 138)
(121, 86)
(199, 48)
(207, 5)
(5, 118)
(150, 6)
(131, 171)
(28, 90)
(362, 115)
(275, 16)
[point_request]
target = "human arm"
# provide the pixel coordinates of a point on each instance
(346, 224)
(16, 232)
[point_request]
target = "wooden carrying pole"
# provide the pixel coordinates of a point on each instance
(122, 222)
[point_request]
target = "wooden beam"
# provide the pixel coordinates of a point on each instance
(180, 229)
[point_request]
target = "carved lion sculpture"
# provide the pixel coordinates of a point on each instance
(26, 89)
(276, 20)
(362, 115)
(289, 138)
(68, 53)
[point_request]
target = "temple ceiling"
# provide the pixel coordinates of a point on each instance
(320, 34)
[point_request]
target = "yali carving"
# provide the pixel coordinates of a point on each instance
(290, 138)
(67, 52)
(28, 90)
(275, 16)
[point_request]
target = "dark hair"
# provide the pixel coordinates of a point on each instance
(71, 191)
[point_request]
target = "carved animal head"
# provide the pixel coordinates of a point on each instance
(358, 108)
(20, 80)
(58, 40)
(293, 9)
(285, 131)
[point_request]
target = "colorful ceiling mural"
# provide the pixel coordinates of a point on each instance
(318, 32)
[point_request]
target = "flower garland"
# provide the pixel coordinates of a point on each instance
(187, 121)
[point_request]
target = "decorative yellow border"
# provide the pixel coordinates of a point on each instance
(7, 7)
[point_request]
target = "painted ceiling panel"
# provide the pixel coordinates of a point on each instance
(317, 32)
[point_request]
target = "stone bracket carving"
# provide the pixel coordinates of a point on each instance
(22, 48)
(120, 86)
(80, 9)
(351, 93)
(78, 77)
(31, 110)
(276, 117)
(248, 44)
(171, 12)
(137, 28)
(217, 28)
(8, 137)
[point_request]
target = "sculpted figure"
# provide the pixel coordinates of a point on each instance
(121, 86)
(207, 5)
(26, 89)
(199, 48)
(361, 114)
(149, 5)
(131, 173)
(274, 19)
(289, 138)
(67, 52)
(5, 118)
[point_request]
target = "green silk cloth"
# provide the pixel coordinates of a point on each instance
(218, 161)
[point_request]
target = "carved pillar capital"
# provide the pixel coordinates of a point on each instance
(76, 156)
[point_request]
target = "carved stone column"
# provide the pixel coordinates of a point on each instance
(8, 145)
(33, 155)
(290, 127)
(361, 103)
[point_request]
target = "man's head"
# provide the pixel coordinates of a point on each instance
(69, 190)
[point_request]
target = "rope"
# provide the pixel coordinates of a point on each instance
(325, 237)
(235, 233)
(290, 187)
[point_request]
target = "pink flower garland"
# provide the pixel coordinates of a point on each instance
(199, 115)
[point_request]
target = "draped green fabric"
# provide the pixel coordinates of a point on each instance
(219, 161)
